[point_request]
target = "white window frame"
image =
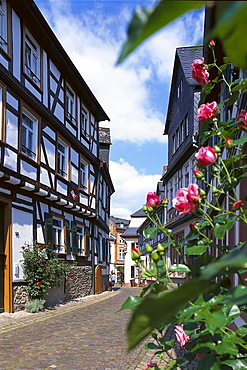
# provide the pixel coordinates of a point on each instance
(84, 121)
(32, 58)
(3, 25)
(29, 135)
(62, 159)
(58, 234)
(81, 239)
(70, 104)
(121, 254)
(83, 174)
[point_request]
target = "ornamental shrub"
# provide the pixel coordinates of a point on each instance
(35, 305)
(42, 270)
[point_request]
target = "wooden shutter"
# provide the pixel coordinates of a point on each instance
(87, 234)
(68, 242)
(98, 247)
(49, 231)
(74, 238)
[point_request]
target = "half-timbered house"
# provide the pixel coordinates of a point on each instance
(54, 188)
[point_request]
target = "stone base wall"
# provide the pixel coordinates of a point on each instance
(20, 297)
(78, 283)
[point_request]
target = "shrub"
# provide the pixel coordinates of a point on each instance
(35, 305)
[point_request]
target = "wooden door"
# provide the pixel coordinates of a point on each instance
(2, 259)
(98, 280)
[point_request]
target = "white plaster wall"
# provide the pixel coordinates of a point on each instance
(128, 262)
(22, 231)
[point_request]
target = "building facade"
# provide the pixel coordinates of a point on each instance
(55, 186)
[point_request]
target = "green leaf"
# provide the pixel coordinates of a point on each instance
(236, 364)
(238, 296)
(153, 312)
(179, 268)
(239, 87)
(215, 319)
(242, 330)
(240, 141)
(153, 346)
(146, 22)
(226, 346)
(131, 303)
(150, 233)
(230, 28)
(196, 249)
(208, 362)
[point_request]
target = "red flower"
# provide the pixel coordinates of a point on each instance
(193, 227)
(238, 204)
(152, 200)
(243, 117)
(41, 248)
(72, 275)
(198, 174)
(206, 156)
(23, 247)
(212, 44)
(207, 111)
(187, 199)
(135, 253)
(39, 283)
(228, 143)
(199, 72)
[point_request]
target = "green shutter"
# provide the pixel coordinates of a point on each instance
(74, 238)
(103, 249)
(68, 243)
(87, 233)
(49, 231)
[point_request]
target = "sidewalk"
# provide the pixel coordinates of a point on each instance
(86, 334)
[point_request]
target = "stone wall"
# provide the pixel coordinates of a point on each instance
(20, 297)
(78, 283)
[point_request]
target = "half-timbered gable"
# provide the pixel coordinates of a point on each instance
(54, 187)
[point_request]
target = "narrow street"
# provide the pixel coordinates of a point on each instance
(88, 335)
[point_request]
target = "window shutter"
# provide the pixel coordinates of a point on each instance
(74, 238)
(103, 249)
(68, 242)
(87, 233)
(49, 231)
(98, 247)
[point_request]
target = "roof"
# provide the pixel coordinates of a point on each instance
(139, 213)
(131, 231)
(118, 221)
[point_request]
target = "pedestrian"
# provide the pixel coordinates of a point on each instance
(113, 278)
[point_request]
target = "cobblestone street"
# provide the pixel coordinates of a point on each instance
(87, 334)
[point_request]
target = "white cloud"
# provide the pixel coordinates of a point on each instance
(131, 188)
(93, 41)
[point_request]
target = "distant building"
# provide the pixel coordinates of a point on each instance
(131, 271)
(118, 245)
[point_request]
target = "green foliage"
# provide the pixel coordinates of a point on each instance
(42, 270)
(35, 305)
(206, 304)
(230, 26)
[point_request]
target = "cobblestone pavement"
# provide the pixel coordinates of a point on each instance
(87, 334)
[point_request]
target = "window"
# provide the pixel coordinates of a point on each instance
(32, 58)
(121, 254)
(3, 25)
(1, 112)
(186, 176)
(180, 88)
(70, 104)
(62, 153)
(173, 144)
(83, 174)
(29, 135)
(57, 231)
(84, 122)
(186, 125)
(80, 239)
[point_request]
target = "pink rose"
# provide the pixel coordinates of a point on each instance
(206, 156)
(181, 336)
(187, 199)
(199, 72)
(150, 364)
(207, 111)
(242, 116)
(152, 200)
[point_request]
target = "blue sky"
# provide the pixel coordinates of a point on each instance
(134, 94)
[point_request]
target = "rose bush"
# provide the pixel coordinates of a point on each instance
(199, 72)
(187, 199)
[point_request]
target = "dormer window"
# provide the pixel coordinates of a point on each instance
(32, 58)
(70, 104)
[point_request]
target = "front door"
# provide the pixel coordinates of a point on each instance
(2, 258)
